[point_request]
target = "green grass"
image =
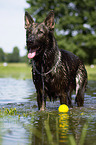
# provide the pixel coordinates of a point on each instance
(91, 72)
(15, 70)
(23, 71)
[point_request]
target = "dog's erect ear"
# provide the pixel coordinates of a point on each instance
(28, 20)
(49, 21)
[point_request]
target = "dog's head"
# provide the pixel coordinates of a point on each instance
(37, 34)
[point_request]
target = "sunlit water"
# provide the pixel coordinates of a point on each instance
(15, 91)
(20, 94)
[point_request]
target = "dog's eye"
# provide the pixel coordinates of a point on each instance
(40, 32)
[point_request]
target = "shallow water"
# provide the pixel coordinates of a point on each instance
(15, 91)
(30, 130)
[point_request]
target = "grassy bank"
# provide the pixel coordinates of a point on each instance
(91, 72)
(15, 70)
(23, 71)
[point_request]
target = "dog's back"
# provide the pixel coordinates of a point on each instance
(75, 71)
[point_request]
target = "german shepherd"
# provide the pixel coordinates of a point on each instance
(56, 72)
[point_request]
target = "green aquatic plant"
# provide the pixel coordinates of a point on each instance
(6, 112)
(72, 140)
(48, 132)
(63, 122)
(11, 111)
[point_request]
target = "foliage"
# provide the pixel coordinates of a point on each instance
(12, 57)
(15, 54)
(2, 56)
(75, 28)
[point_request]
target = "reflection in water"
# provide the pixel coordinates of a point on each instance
(32, 132)
(63, 127)
(51, 128)
(38, 129)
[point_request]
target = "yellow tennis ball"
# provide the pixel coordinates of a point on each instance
(63, 108)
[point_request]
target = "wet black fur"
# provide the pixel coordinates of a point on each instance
(56, 72)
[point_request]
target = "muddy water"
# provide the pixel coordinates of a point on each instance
(30, 129)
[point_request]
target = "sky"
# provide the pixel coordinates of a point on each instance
(12, 32)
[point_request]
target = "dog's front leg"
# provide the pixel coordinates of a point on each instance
(42, 106)
(41, 101)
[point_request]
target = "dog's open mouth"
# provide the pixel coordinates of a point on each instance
(31, 53)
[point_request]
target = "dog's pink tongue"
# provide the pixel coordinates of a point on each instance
(31, 55)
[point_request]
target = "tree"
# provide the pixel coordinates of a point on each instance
(14, 56)
(75, 24)
(2, 55)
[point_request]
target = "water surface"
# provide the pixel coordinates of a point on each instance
(30, 130)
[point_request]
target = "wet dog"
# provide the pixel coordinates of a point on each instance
(56, 72)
